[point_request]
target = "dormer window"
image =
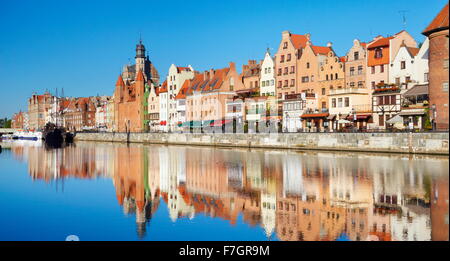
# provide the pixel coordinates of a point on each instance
(378, 53)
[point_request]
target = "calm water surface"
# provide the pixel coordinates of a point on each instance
(103, 191)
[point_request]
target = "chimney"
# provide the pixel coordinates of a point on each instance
(329, 44)
(211, 73)
(205, 75)
(232, 66)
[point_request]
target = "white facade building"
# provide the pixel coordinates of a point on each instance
(267, 81)
(175, 79)
(410, 65)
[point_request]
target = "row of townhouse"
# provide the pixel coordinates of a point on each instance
(306, 87)
(75, 114)
(386, 82)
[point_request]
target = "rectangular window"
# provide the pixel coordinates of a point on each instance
(360, 69)
(292, 82)
(292, 69)
(356, 56)
(333, 102)
(402, 65)
(381, 120)
(373, 85)
(380, 100)
(347, 102)
(425, 77)
(323, 91)
(339, 102)
(445, 86)
(285, 70)
(279, 71)
(381, 68)
(360, 84)
(373, 69)
(397, 81)
(352, 71)
(379, 53)
(288, 57)
(282, 59)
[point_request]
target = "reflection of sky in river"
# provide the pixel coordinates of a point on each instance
(318, 196)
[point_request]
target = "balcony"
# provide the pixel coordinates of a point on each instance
(348, 91)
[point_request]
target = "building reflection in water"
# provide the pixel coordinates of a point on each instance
(292, 196)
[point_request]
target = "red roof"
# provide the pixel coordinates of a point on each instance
(440, 22)
(298, 40)
(140, 76)
(120, 81)
(202, 83)
(380, 42)
(413, 51)
(342, 59)
(182, 93)
(179, 69)
(321, 50)
(163, 87)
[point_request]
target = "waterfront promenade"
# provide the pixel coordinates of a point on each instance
(413, 143)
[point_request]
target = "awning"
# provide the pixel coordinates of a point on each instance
(396, 119)
(315, 115)
(359, 117)
(331, 117)
(412, 112)
(193, 124)
(219, 123)
(416, 90)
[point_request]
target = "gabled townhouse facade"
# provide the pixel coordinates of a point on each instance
(308, 67)
(403, 71)
(352, 104)
(163, 107)
(175, 79)
(289, 51)
(267, 82)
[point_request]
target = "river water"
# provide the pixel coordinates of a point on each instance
(111, 191)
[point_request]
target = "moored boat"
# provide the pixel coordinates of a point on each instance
(27, 135)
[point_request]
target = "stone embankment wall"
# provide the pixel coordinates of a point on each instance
(427, 143)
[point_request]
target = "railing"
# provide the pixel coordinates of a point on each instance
(349, 90)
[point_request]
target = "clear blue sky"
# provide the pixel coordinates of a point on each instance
(81, 46)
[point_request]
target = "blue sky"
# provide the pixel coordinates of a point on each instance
(81, 46)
